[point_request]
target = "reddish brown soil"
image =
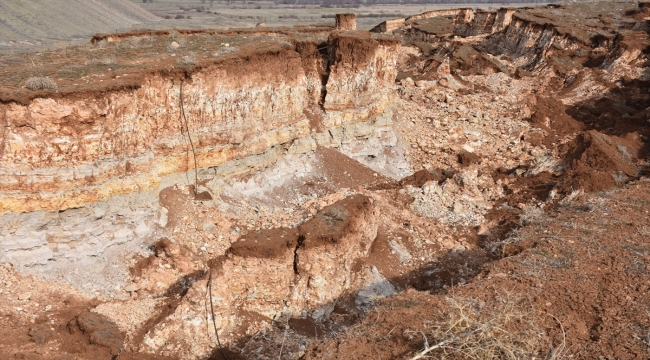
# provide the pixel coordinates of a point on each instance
(587, 266)
(128, 59)
(344, 172)
(334, 221)
(266, 244)
(419, 178)
(594, 159)
(354, 47)
(581, 265)
(549, 115)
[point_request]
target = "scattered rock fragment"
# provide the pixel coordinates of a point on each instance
(100, 331)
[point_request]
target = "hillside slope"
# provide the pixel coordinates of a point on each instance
(45, 21)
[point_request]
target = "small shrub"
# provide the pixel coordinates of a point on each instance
(70, 71)
(41, 83)
(531, 215)
(179, 17)
(167, 17)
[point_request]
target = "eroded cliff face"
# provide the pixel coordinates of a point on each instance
(64, 153)
(482, 22)
(308, 210)
(81, 177)
(529, 37)
(360, 79)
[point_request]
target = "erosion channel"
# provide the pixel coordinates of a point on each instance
(276, 185)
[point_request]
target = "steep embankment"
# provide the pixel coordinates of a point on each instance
(530, 36)
(88, 179)
(37, 21)
(124, 141)
(94, 162)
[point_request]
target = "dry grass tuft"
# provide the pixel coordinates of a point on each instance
(225, 51)
(472, 330)
(189, 60)
(103, 61)
(41, 83)
(532, 215)
(619, 178)
(624, 152)
(643, 231)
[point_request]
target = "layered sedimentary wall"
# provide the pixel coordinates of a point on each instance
(482, 22)
(391, 25)
(64, 153)
(527, 36)
(527, 41)
(81, 175)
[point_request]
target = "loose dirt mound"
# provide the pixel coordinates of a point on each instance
(598, 162)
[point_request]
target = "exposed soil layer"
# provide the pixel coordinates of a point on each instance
(526, 209)
(113, 65)
(269, 243)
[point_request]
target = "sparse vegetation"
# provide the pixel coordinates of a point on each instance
(472, 330)
(41, 83)
(619, 178)
(532, 215)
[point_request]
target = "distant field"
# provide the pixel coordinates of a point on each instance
(246, 14)
(33, 25)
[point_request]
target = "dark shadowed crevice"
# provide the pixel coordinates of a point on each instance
(301, 240)
(323, 50)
